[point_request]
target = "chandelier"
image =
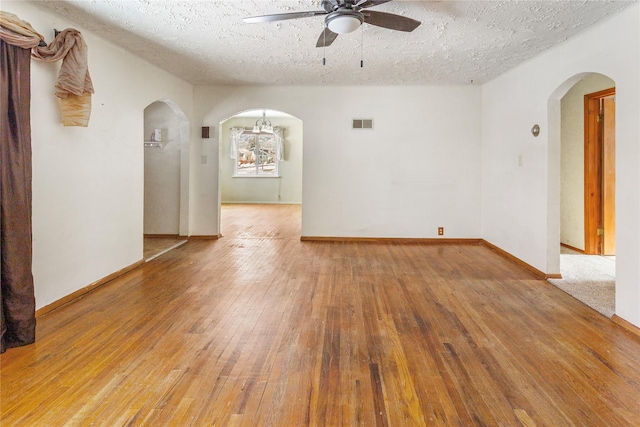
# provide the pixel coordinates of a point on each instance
(263, 124)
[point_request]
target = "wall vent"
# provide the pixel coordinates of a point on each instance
(363, 123)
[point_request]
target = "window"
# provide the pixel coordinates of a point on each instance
(256, 154)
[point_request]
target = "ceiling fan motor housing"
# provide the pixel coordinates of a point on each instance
(327, 6)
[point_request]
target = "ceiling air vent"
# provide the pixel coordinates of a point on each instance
(363, 123)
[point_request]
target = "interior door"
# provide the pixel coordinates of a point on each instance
(609, 176)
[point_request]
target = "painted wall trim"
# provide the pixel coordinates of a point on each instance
(240, 202)
(205, 237)
(539, 274)
(403, 240)
(83, 291)
(626, 325)
(564, 245)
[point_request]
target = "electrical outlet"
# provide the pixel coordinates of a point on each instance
(440, 231)
(203, 159)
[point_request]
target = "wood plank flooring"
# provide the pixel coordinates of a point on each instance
(260, 329)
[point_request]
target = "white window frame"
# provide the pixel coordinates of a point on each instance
(244, 156)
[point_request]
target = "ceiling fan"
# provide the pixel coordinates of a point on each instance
(345, 16)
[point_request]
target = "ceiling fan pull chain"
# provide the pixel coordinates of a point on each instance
(362, 47)
(324, 44)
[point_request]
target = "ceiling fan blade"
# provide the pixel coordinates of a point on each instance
(390, 21)
(370, 3)
(283, 16)
(326, 38)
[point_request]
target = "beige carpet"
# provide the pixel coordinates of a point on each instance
(590, 279)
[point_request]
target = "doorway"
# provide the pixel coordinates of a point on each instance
(589, 278)
(166, 137)
(260, 163)
(600, 172)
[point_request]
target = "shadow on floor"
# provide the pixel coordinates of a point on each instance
(156, 246)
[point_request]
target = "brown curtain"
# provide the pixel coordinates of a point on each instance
(17, 292)
(18, 38)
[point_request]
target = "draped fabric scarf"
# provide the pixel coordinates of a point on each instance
(74, 86)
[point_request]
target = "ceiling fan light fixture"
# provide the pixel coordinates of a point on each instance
(344, 21)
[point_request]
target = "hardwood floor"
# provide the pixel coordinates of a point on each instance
(260, 329)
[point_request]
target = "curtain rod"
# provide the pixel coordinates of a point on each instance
(44, 43)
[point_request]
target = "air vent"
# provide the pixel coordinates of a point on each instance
(363, 123)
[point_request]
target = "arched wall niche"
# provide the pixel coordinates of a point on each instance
(166, 170)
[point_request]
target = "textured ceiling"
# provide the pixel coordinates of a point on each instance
(206, 42)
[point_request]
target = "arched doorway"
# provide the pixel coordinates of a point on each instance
(576, 153)
(260, 169)
(166, 136)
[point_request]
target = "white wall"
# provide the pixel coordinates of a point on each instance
(521, 204)
(417, 170)
(88, 182)
(162, 171)
(285, 189)
(572, 158)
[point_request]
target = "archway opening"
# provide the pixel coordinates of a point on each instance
(581, 174)
(260, 172)
(166, 138)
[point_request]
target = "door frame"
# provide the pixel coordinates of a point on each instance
(593, 164)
